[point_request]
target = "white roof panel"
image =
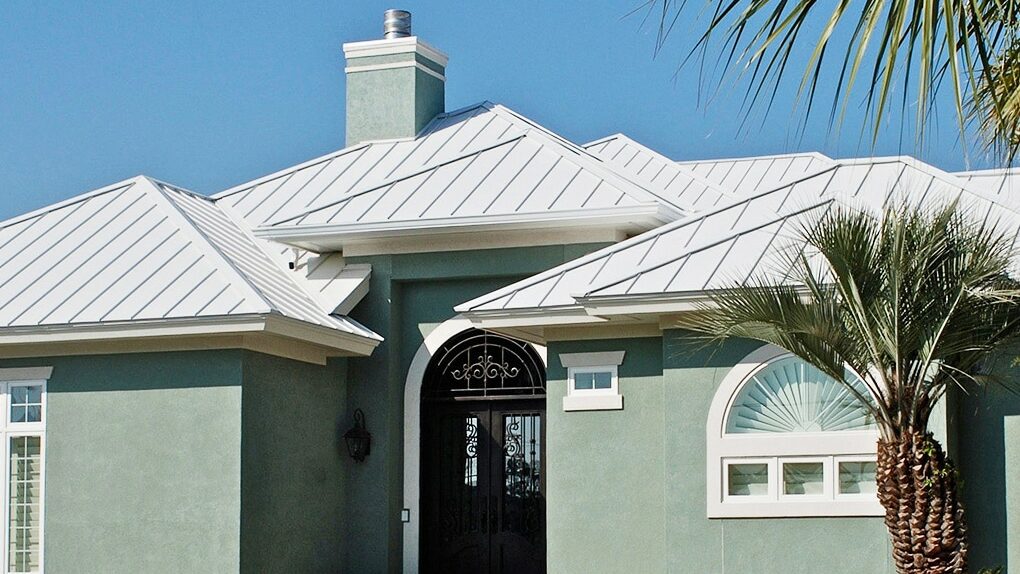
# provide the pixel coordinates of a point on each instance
(666, 178)
(750, 174)
(142, 250)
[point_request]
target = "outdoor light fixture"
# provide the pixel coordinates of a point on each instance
(359, 440)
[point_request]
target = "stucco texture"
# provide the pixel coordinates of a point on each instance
(627, 488)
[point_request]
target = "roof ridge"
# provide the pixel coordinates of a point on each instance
(814, 154)
(671, 162)
(248, 232)
(190, 227)
(592, 162)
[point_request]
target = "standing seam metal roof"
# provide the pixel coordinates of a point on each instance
(142, 250)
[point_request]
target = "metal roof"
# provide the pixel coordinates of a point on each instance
(143, 250)
(747, 174)
(654, 171)
(1004, 184)
(482, 164)
(727, 245)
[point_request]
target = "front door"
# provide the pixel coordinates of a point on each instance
(483, 457)
(483, 498)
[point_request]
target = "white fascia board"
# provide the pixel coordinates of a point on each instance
(532, 318)
(392, 46)
(164, 328)
(657, 304)
(330, 237)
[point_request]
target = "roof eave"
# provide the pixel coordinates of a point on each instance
(332, 341)
(331, 237)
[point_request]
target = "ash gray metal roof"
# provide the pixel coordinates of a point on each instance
(747, 174)
(654, 171)
(1004, 184)
(727, 245)
(142, 250)
(480, 162)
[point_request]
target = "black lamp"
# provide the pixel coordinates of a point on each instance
(359, 440)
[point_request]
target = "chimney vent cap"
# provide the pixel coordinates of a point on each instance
(396, 24)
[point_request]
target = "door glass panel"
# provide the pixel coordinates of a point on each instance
(24, 527)
(522, 480)
(460, 499)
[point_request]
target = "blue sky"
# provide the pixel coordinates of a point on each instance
(209, 95)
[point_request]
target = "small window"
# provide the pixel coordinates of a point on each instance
(857, 477)
(787, 440)
(593, 382)
(26, 403)
(804, 478)
(747, 479)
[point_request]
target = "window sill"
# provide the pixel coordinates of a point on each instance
(804, 509)
(593, 402)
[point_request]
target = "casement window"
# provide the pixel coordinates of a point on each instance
(23, 435)
(785, 439)
(593, 381)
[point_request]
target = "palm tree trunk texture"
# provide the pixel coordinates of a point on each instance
(924, 515)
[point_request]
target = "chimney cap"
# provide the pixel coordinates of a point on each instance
(396, 24)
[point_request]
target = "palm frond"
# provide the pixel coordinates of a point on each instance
(898, 45)
(912, 300)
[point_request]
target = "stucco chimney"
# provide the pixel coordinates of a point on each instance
(395, 86)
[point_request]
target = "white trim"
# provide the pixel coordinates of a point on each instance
(39, 376)
(318, 335)
(826, 447)
(394, 66)
(411, 44)
(412, 431)
(593, 399)
(332, 236)
(26, 374)
(594, 402)
(605, 358)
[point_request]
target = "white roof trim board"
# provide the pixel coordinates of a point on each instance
(142, 251)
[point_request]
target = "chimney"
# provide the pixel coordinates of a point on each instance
(395, 86)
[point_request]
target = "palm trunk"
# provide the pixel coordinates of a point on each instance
(917, 488)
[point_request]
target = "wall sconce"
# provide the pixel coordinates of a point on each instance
(359, 440)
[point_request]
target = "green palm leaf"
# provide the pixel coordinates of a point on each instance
(923, 45)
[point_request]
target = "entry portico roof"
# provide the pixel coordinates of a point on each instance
(667, 269)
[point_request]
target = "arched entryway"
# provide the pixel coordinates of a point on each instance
(482, 457)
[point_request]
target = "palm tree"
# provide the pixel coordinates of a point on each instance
(899, 46)
(914, 301)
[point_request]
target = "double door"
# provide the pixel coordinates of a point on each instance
(483, 502)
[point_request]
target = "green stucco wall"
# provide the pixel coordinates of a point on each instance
(201, 462)
(293, 465)
(392, 103)
(627, 488)
(408, 294)
(989, 463)
(142, 462)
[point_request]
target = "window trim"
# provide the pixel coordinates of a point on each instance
(593, 399)
(833, 446)
(22, 377)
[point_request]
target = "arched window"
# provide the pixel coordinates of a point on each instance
(479, 364)
(785, 439)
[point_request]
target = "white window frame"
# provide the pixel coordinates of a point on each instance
(593, 399)
(826, 447)
(20, 377)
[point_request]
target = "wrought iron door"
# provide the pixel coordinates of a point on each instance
(483, 503)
